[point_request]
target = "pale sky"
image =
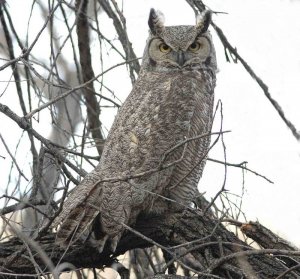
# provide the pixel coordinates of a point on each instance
(266, 34)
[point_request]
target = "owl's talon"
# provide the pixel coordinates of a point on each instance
(100, 249)
(99, 244)
(114, 244)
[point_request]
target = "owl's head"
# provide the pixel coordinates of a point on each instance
(179, 47)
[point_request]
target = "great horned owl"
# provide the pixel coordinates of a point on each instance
(154, 148)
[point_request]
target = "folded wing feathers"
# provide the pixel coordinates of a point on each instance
(77, 214)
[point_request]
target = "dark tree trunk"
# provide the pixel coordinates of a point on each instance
(215, 250)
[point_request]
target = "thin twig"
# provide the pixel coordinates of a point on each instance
(242, 166)
(120, 26)
(28, 50)
(297, 266)
(25, 125)
(224, 150)
(12, 157)
(65, 94)
(227, 258)
(21, 205)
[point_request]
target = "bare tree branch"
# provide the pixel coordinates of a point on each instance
(93, 110)
(120, 26)
(25, 125)
(28, 50)
(168, 231)
(20, 205)
(262, 85)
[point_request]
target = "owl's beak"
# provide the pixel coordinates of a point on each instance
(180, 58)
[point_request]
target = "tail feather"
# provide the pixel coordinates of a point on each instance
(78, 211)
(76, 225)
(89, 187)
(84, 228)
(69, 227)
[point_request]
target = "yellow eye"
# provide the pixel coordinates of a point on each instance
(195, 46)
(164, 48)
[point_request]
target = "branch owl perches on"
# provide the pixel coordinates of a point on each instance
(171, 101)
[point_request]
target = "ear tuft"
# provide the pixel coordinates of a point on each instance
(156, 22)
(203, 21)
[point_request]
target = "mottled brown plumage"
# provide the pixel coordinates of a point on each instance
(171, 101)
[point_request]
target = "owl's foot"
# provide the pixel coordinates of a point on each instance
(98, 243)
(101, 243)
(114, 243)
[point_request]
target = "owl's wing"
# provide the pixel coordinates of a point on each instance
(154, 118)
(75, 213)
